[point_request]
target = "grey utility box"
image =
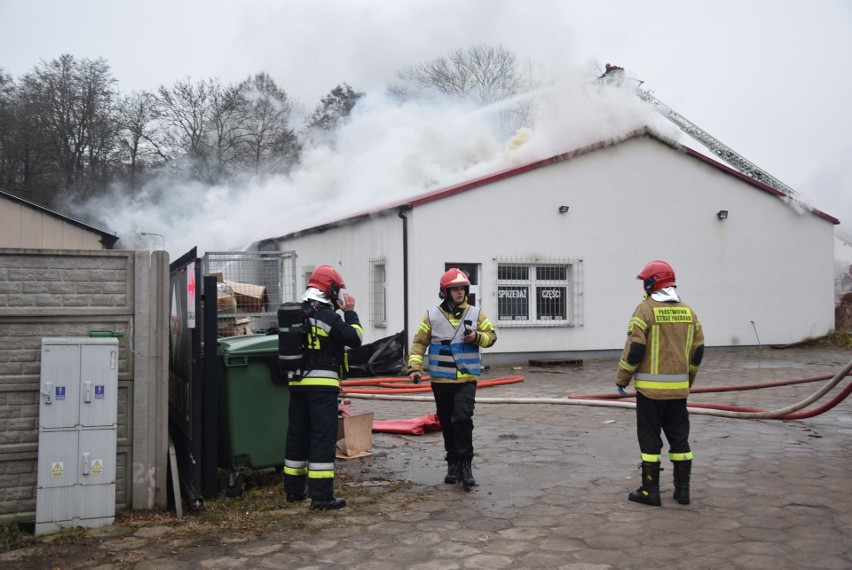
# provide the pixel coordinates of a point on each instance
(78, 415)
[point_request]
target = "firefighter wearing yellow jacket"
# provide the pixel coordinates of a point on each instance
(664, 348)
(449, 337)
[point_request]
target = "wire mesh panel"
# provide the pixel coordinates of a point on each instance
(251, 285)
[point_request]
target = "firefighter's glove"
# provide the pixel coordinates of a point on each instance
(621, 390)
(415, 377)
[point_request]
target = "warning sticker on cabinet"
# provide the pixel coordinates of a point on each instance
(56, 469)
(98, 467)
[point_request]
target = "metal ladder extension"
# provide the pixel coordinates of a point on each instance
(715, 146)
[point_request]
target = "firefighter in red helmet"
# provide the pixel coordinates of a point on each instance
(449, 337)
(664, 348)
(312, 425)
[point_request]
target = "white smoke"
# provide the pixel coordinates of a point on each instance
(385, 152)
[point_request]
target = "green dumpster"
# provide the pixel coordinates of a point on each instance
(253, 406)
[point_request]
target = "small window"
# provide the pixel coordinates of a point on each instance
(378, 297)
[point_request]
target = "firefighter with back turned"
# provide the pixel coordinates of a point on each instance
(664, 348)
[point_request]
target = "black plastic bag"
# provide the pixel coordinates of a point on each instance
(383, 357)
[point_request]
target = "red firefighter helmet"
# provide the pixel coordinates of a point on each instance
(328, 280)
(453, 278)
(656, 275)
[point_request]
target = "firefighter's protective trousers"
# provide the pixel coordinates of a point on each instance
(311, 442)
(454, 404)
(670, 416)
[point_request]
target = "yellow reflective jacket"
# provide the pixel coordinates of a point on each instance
(667, 335)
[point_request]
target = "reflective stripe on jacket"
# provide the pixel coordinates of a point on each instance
(425, 337)
(326, 360)
(449, 355)
(670, 333)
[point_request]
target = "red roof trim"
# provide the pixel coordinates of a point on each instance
(507, 173)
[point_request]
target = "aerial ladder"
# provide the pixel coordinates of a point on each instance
(615, 74)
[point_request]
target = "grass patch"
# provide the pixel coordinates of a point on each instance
(842, 339)
(11, 536)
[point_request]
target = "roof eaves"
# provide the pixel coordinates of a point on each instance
(434, 195)
(447, 191)
(515, 170)
(107, 239)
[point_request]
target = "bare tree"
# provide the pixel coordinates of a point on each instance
(225, 130)
(98, 101)
(222, 130)
(66, 107)
(10, 163)
(25, 165)
(483, 73)
(480, 73)
(138, 144)
(183, 114)
(268, 143)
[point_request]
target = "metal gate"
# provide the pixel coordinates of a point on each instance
(250, 286)
(193, 378)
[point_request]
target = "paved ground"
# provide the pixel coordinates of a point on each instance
(553, 483)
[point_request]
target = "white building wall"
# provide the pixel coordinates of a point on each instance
(350, 248)
(767, 269)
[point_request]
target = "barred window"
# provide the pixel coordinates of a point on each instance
(378, 297)
(539, 293)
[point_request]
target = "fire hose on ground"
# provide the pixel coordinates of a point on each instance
(390, 389)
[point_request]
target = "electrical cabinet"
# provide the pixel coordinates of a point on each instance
(78, 416)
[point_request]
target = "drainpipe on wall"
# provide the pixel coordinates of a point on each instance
(402, 209)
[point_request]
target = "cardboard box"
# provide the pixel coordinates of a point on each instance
(243, 297)
(249, 298)
(234, 327)
(355, 436)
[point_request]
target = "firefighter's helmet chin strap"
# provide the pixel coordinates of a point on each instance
(455, 310)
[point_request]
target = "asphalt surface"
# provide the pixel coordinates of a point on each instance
(553, 481)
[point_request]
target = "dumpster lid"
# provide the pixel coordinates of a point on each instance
(248, 344)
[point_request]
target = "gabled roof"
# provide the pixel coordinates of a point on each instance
(438, 194)
(106, 238)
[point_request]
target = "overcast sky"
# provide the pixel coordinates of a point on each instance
(769, 78)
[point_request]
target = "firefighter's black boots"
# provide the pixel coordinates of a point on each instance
(452, 473)
(466, 474)
(328, 504)
(682, 471)
(649, 492)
